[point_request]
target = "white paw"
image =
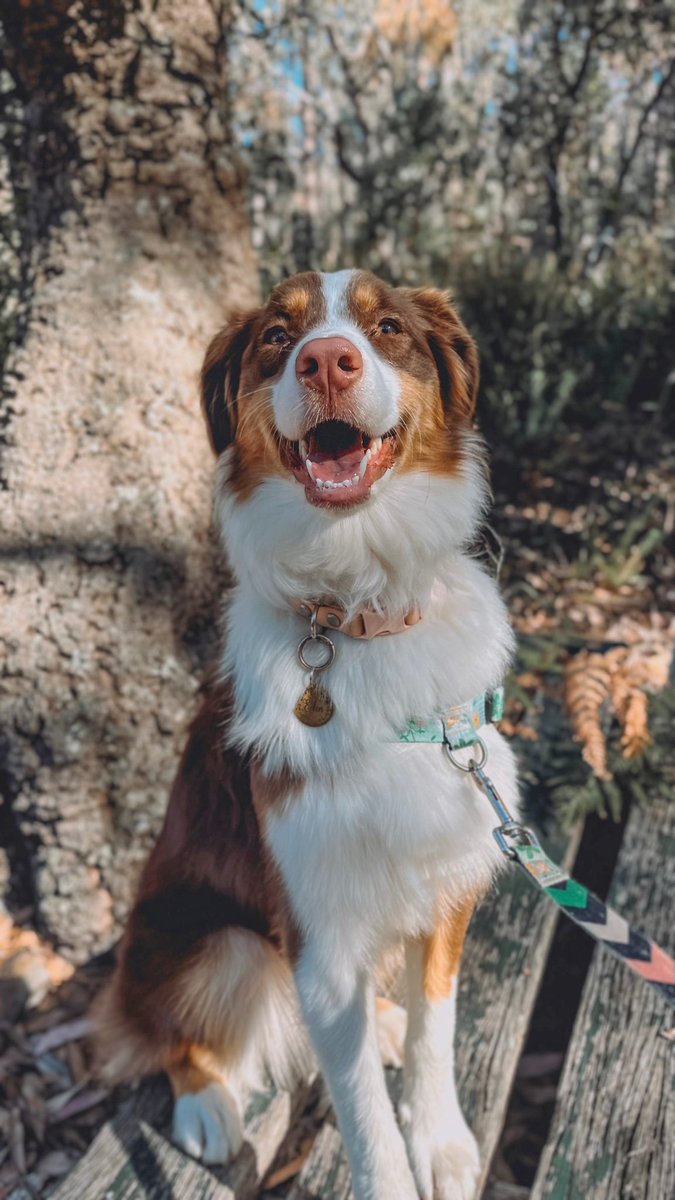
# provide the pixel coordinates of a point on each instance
(207, 1124)
(445, 1167)
(456, 1169)
(392, 1021)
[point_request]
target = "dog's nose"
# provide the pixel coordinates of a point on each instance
(329, 364)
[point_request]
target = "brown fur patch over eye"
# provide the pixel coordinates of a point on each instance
(366, 299)
(420, 334)
(298, 303)
(302, 301)
(240, 366)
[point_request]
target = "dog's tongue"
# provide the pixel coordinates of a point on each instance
(335, 458)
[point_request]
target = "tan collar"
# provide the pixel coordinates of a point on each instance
(365, 624)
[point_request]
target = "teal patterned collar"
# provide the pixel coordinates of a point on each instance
(460, 726)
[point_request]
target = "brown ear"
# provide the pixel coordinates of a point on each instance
(220, 378)
(453, 348)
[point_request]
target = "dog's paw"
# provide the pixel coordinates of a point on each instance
(446, 1167)
(392, 1021)
(207, 1124)
(456, 1169)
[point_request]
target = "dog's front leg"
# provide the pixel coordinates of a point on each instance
(338, 1004)
(442, 1150)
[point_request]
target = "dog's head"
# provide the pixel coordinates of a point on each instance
(342, 411)
(338, 381)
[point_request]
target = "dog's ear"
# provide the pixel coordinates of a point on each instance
(220, 378)
(453, 348)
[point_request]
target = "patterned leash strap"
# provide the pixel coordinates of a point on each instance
(603, 923)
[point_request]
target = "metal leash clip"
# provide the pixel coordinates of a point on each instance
(509, 827)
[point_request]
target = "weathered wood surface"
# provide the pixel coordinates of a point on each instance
(613, 1131)
(131, 1160)
(506, 953)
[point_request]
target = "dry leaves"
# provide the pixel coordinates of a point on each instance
(292, 1168)
(29, 968)
(50, 1109)
(617, 682)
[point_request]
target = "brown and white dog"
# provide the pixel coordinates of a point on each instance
(295, 852)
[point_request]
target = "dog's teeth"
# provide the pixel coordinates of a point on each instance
(363, 465)
(303, 448)
(331, 485)
(375, 445)
(310, 468)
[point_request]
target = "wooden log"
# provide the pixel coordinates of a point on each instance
(505, 957)
(131, 1160)
(504, 961)
(613, 1131)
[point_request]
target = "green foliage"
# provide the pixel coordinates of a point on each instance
(559, 352)
(524, 160)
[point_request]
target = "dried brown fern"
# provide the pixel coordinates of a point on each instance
(587, 689)
(636, 736)
(619, 681)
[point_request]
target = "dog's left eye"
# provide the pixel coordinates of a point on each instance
(276, 336)
(388, 325)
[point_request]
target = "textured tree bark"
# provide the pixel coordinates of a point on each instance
(134, 246)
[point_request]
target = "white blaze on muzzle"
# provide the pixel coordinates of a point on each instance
(374, 399)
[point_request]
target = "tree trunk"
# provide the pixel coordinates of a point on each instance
(133, 247)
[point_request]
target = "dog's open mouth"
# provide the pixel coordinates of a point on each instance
(338, 463)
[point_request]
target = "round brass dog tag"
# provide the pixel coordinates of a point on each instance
(315, 706)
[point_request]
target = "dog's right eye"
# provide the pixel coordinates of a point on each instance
(276, 336)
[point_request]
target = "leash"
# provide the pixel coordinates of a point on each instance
(607, 926)
(458, 730)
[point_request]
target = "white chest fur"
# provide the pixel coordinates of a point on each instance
(381, 828)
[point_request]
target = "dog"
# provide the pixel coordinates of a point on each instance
(308, 829)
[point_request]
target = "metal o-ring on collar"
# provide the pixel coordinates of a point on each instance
(325, 641)
(472, 764)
